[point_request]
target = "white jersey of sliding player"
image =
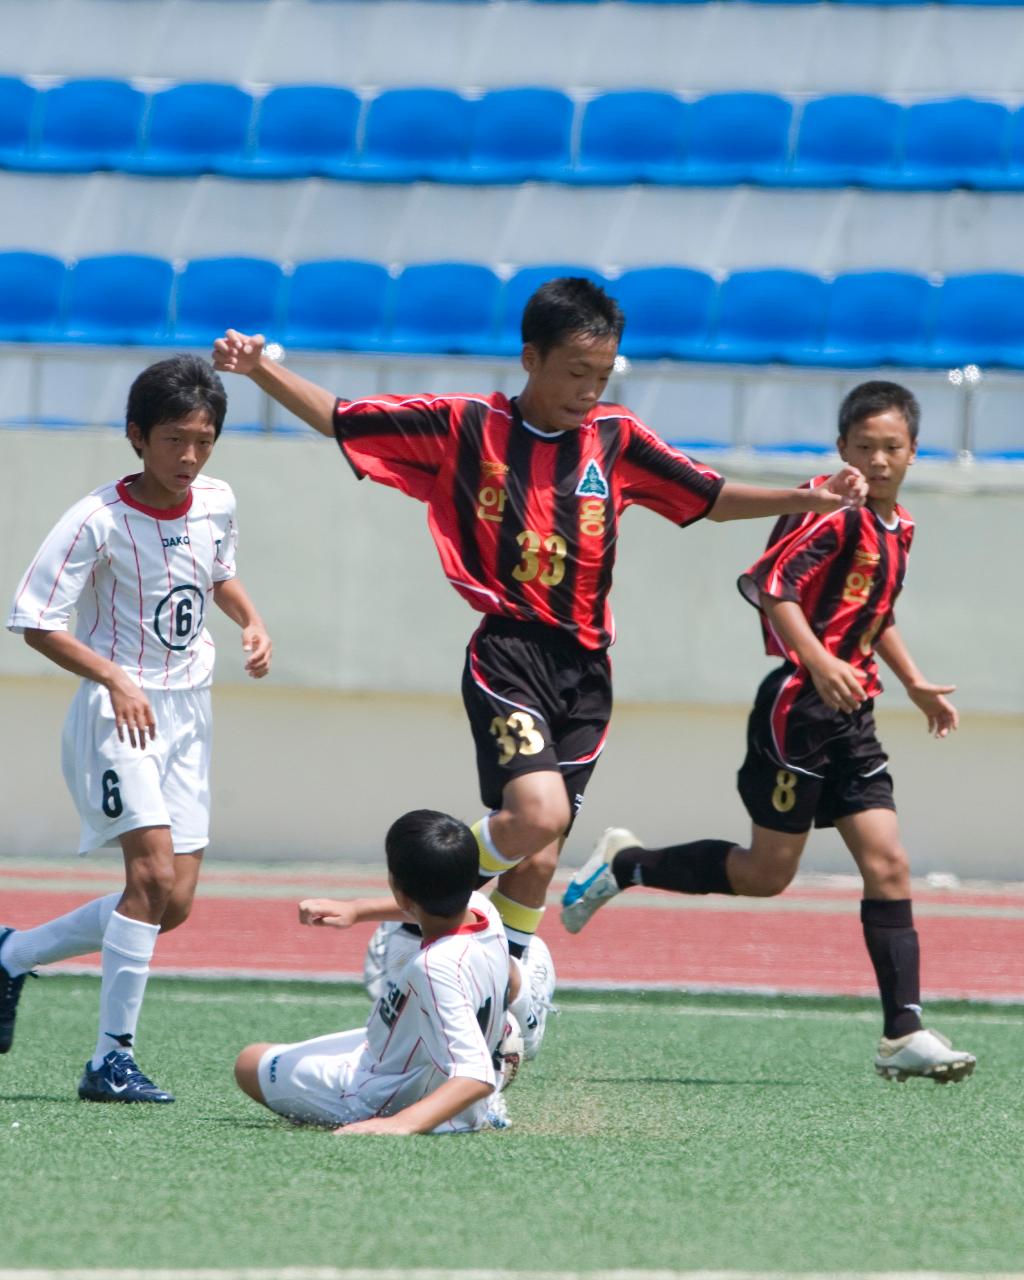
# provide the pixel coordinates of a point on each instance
(442, 1017)
(140, 579)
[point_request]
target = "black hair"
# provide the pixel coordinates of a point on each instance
(433, 859)
(872, 398)
(173, 389)
(566, 306)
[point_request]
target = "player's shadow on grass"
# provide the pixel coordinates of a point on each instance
(695, 1080)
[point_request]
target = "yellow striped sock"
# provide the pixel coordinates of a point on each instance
(492, 861)
(520, 922)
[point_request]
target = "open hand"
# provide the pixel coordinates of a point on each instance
(942, 716)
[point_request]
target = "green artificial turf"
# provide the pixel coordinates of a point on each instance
(657, 1132)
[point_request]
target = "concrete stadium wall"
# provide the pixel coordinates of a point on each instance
(359, 719)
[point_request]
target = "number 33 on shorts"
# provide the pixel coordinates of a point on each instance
(517, 733)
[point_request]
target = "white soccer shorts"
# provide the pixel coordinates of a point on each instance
(307, 1081)
(118, 788)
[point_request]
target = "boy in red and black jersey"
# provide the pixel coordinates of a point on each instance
(524, 497)
(826, 586)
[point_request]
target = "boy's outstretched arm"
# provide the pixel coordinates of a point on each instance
(940, 713)
(343, 913)
(455, 1095)
(243, 353)
(233, 598)
(847, 488)
(837, 682)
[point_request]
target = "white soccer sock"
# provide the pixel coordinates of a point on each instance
(520, 1007)
(127, 950)
(74, 934)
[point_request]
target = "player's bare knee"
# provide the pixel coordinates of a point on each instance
(247, 1066)
(769, 882)
(886, 871)
(175, 914)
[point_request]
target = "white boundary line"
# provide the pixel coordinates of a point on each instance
(422, 1273)
(612, 988)
(354, 999)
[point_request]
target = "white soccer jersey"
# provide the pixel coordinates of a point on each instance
(442, 1018)
(140, 579)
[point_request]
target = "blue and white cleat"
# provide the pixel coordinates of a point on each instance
(118, 1079)
(10, 994)
(594, 885)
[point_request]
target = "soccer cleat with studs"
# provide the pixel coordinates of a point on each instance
(118, 1079)
(538, 971)
(10, 994)
(593, 884)
(923, 1055)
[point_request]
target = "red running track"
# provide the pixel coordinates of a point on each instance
(804, 943)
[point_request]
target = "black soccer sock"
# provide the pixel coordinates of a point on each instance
(893, 947)
(697, 867)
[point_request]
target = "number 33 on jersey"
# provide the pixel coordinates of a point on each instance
(525, 521)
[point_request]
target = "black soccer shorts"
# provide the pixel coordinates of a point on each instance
(536, 700)
(806, 764)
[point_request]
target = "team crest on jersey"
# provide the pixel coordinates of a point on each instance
(592, 483)
(490, 468)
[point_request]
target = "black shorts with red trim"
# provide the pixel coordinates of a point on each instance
(806, 764)
(536, 700)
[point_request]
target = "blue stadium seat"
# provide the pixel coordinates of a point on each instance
(89, 125)
(738, 137)
(956, 143)
(518, 135)
(415, 134)
(445, 307)
(769, 315)
(876, 318)
(517, 292)
(219, 293)
(980, 320)
(847, 139)
(301, 131)
(632, 136)
(17, 107)
(194, 128)
(668, 312)
(337, 306)
(31, 289)
(120, 298)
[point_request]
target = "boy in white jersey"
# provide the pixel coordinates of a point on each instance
(425, 1061)
(139, 560)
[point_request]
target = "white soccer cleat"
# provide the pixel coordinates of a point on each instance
(497, 1111)
(594, 885)
(538, 970)
(922, 1053)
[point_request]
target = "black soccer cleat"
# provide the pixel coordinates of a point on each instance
(10, 994)
(118, 1079)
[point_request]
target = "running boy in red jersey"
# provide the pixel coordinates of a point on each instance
(826, 587)
(524, 497)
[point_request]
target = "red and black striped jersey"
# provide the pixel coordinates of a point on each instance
(525, 522)
(845, 570)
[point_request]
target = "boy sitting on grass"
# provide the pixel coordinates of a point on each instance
(426, 1061)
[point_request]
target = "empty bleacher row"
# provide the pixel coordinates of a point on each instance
(858, 320)
(511, 136)
(714, 229)
(899, 52)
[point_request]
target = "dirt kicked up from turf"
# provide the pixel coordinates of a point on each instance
(805, 942)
